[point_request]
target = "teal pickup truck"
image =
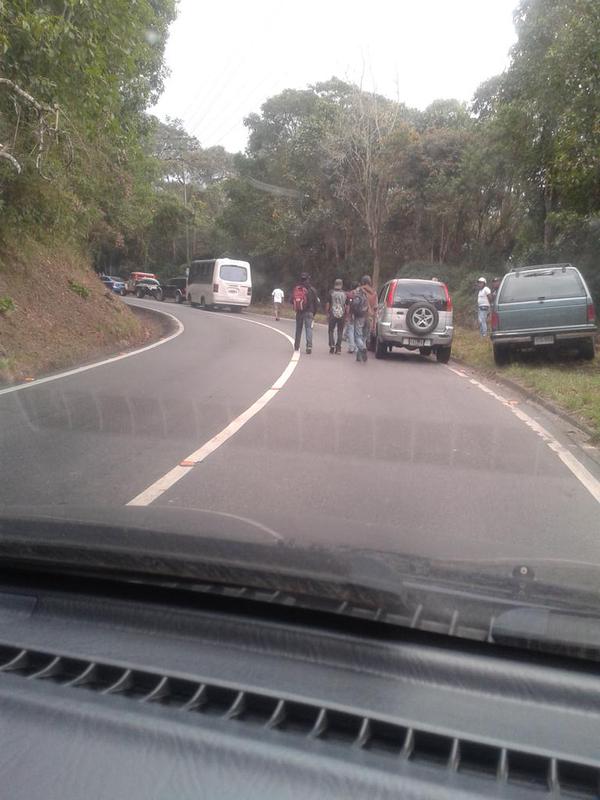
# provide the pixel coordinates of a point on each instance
(543, 306)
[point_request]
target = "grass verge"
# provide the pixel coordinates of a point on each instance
(571, 383)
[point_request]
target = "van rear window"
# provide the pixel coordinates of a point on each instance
(408, 293)
(550, 284)
(230, 272)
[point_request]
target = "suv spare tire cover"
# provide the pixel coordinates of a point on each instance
(422, 317)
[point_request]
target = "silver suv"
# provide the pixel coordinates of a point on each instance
(415, 314)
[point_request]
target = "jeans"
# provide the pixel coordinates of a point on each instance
(304, 319)
(350, 335)
(277, 307)
(361, 330)
(482, 315)
(336, 323)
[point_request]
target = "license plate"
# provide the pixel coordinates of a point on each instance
(420, 342)
(543, 339)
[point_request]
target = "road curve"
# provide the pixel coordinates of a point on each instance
(398, 454)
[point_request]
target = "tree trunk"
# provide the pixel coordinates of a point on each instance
(376, 264)
(548, 208)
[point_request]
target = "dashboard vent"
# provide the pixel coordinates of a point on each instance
(536, 772)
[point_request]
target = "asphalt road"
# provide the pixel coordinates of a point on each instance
(400, 454)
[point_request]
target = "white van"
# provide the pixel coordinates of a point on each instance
(219, 283)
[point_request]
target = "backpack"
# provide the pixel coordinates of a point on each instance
(338, 303)
(360, 304)
(300, 298)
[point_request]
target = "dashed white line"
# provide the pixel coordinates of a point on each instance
(20, 386)
(168, 480)
(583, 475)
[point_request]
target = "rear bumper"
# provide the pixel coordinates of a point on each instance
(401, 338)
(528, 336)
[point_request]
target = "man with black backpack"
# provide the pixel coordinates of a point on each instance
(305, 302)
(336, 313)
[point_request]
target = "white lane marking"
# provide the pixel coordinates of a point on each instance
(583, 475)
(20, 386)
(168, 480)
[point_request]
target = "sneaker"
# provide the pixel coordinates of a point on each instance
(297, 349)
(338, 351)
(331, 350)
(308, 351)
(351, 351)
(364, 356)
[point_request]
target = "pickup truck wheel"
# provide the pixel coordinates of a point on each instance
(443, 354)
(159, 294)
(179, 297)
(587, 349)
(381, 349)
(501, 355)
(140, 293)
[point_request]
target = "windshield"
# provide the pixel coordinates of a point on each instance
(324, 371)
(550, 284)
(229, 272)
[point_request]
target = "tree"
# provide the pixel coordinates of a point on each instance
(368, 148)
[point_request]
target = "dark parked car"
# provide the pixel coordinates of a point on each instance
(543, 306)
(175, 289)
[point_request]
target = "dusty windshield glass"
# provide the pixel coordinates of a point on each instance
(303, 346)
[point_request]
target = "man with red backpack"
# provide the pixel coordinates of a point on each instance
(305, 301)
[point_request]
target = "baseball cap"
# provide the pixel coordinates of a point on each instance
(482, 280)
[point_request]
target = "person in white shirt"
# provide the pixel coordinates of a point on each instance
(277, 301)
(483, 305)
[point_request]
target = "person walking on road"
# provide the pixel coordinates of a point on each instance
(336, 313)
(277, 295)
(483, 305)
(305, 302)
(360, 314)
(349, 326)
(371, 295)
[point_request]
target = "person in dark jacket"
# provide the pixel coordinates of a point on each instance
(305, 302)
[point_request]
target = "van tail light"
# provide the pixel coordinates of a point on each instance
(448, 299)
(495, 321)
(591, 311)
(215, 287)
(389, 300)
(249, 290)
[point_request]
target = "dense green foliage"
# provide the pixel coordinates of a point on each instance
(75, 79)
(452, 191)
(334, 180)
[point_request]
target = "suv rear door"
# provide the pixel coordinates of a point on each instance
(408, 292)
(553, 297)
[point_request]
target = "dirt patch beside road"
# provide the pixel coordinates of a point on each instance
(57, 314)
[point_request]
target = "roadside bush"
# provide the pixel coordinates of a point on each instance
(82, 291)
(7, 304)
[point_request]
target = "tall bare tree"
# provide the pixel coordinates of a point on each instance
(368, 149)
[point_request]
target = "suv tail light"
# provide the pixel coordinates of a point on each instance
(448, 299)
(495, 321)
(389, 300)
(215, 287)
(591, 311)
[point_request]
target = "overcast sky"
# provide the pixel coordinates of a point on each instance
(227, 58)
